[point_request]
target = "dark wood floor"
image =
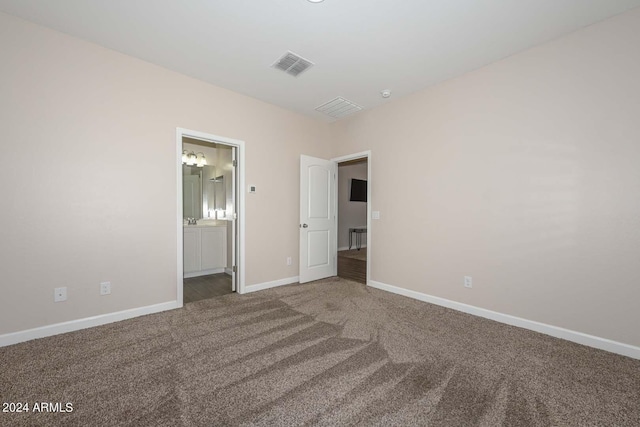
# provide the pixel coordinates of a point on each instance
(204, 287)
(352, 269)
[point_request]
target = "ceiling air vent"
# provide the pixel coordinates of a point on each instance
(338, 107)
(292, 64)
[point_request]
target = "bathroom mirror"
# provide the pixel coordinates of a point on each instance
(202, 192)
(219, 196)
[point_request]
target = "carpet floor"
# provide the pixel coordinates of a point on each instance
(327, 353)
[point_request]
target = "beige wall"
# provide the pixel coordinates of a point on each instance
(524, 175)
(96, 124)
(350, 214)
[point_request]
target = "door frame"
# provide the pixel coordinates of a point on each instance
(240, 204)
(360, 155)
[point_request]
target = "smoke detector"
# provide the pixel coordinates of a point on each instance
(292, 64)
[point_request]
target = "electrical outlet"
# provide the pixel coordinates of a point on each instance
(105, 288)
(289, 260)
(60, 294)
(468, 282)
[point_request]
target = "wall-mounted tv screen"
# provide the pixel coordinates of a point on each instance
(358, 190)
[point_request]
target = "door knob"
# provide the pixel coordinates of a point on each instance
(305, 226)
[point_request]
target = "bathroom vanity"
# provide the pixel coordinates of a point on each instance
(205, 248)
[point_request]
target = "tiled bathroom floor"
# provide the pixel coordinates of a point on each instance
(205, 287)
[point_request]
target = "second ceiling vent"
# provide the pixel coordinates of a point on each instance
(339, 107)
(292, 64)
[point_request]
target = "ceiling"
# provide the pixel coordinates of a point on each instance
(359, 47)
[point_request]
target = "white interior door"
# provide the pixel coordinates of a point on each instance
(234, 222)
(317, 218)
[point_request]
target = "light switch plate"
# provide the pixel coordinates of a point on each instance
(375, 215)
(252, 189)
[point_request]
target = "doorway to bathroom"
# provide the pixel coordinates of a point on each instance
(210, 216)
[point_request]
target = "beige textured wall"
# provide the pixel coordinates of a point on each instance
(96, 125)
(522, 174)
(525, 175)
(350, 214)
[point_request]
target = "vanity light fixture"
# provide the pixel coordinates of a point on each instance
(185, 158)
(190, 158)
(200, 160)
(315, 1)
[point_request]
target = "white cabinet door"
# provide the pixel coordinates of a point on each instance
(214, 248)
(191, 245)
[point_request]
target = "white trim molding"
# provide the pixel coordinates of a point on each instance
(87, 322)
(272, 284)
(543, 328)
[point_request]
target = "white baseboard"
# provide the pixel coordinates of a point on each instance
(543, 328)
(203, 272)
(346, 248)
(228, 271)
(273, 284)
(87, 322)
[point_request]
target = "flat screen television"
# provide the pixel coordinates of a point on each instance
(358, 190)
